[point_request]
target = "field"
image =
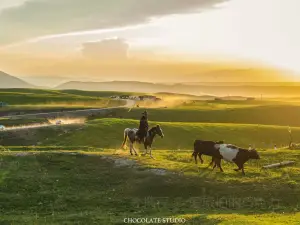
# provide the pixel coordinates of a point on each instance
(77, 173)
(37, 101)
(102, 188)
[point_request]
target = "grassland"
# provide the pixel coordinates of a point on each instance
(108, 133)
(43, 182)
(33, 100)
(103, 188)
(283, 115)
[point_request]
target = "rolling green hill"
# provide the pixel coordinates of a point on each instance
(283, 115)
(39, 100)
(108, 133)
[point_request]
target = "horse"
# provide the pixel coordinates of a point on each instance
(130, 133)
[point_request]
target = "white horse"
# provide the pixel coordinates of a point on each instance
(130, 133)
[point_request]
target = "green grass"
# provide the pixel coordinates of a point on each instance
(229, 104)
(47, 98)
(108, 133)
(284, 115)
(53, 188)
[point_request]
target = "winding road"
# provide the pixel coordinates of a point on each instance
(73, 113)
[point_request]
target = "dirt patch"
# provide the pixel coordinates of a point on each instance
(124, 162)
(61, 121)
(160, 172)
(22, 154)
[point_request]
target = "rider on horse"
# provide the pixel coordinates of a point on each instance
(143, 128)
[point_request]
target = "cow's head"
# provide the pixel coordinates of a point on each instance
(253, 154)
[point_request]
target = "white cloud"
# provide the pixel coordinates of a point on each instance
(47, 17)
(6, 4)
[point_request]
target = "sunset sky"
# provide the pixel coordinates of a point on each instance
(74, 37)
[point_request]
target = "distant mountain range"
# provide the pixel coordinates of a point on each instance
(272, 89)
(199, 89)
(8, 81)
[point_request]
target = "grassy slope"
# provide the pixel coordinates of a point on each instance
(284, 115)
(63, 189)
(49, 98)
(108, 133)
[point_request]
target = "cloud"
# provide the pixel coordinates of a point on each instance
(107, 49)
(47, 17)
(4, 4)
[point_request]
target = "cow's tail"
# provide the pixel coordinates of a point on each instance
(125, 139)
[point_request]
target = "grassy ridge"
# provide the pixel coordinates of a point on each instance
(97, 93)
(284, 115)
(50, 188)
(108, 133)
(48, 97)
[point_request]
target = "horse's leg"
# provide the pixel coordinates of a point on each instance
(146, 148)
(134, 150)
(131, 146)
(151, 152)
(144, 153)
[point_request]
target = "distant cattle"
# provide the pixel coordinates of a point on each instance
(58, 122)
(124, 97)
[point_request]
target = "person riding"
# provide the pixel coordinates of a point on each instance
(143, 128)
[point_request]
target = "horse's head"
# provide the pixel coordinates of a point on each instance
(159, 131)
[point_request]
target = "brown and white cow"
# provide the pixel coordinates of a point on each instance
(234, 154)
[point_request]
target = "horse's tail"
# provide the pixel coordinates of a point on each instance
(125, 138)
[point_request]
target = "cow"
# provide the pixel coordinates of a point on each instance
(234, 154)
(209, 148)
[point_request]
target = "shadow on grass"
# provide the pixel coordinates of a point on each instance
(57, 187)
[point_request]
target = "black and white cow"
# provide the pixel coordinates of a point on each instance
(234, 154)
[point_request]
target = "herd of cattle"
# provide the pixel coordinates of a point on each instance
(219, 150)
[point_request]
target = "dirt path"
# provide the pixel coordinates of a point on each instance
(71, 113)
